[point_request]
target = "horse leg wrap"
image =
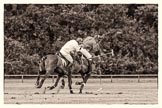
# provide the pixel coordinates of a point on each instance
(81, 88)
(63, 84)
(42, 81)
(37, 83)
(52, 87)
(40, 84)
(83, 84)
(71, 91)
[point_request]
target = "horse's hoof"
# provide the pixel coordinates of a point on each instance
(62, 87)
(51, 87)
(71, 92)
(65, 76)
(37, 86)
(78, 83)
(80, 92)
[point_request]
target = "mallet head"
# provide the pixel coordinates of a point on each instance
(112, 52)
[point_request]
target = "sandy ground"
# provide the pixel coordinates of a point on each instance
(120, 91)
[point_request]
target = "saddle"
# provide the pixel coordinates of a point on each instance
(62, 60)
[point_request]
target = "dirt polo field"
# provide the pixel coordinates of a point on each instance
(120, 91)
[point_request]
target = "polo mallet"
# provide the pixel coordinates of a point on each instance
(100, 77)
(99, 69)
(112, 54)
(46, 88)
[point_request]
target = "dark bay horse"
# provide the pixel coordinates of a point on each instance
(54, 63)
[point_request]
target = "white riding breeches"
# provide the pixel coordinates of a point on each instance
(67, 56)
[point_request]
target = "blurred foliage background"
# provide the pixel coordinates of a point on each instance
(34, 30)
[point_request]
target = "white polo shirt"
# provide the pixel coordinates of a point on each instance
(70, 46)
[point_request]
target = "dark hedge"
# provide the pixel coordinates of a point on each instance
(34, 30)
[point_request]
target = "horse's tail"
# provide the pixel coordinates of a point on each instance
(42, 65)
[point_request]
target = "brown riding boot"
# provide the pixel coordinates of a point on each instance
(67, 68)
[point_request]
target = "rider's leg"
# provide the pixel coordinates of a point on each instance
(68, 71)
(68, 67)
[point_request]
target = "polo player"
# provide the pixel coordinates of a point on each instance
(74, 46)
